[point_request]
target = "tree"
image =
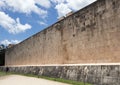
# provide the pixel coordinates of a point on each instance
(2, 54)
(2, 47)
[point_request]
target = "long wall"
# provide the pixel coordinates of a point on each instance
(91, 35)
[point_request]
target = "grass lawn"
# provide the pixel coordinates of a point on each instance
(2, 73)
(48, 78)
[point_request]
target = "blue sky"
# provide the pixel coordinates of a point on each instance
(20, 19)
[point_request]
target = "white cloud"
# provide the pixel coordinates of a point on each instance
(31, 6)
(7, 42)
(2, 4)
(42, 23)
(11, 25)
(58, 1)
(43, 3)
(27, 6)
(65, 6)
(62, 9)
(78, 4)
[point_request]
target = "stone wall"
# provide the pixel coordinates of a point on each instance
(96, 75)
(91, 35)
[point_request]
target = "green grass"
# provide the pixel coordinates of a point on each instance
(48, 78)
(4, 73)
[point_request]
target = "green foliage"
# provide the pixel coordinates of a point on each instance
(4, 73)
(2, 47)
(2, 54)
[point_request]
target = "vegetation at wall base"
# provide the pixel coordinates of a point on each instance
(4, 73)
(48, 78)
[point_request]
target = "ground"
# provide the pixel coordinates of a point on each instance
(23, 80)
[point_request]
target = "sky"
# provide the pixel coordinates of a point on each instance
(20, 19)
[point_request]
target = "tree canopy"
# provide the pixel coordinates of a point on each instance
(2, 54)
(2, 47)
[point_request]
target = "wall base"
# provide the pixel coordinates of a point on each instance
(96, 75)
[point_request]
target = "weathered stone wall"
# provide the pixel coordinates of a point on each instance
(96, 75)
(91, 35)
